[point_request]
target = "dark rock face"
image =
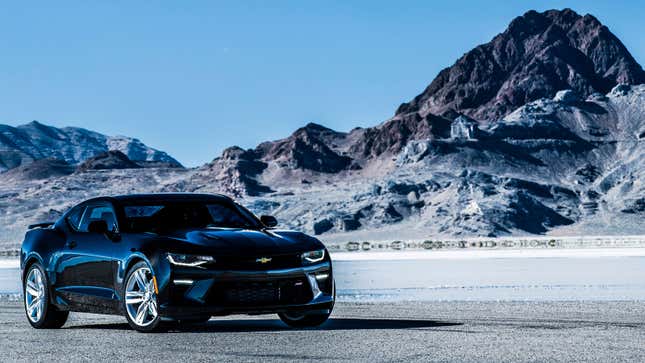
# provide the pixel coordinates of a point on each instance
(636, 206)
(323, 226)
(234, 172)
(309, 148)
(112, 159)
(393, 135)
(538, 55)
(528, 214)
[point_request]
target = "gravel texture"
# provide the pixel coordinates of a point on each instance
(401, 332)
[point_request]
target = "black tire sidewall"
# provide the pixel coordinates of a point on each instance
(306, 321)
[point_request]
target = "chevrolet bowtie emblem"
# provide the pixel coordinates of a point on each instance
(263, 260)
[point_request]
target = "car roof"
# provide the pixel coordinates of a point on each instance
(164, 197)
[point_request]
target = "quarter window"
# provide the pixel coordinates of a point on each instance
(74, 217)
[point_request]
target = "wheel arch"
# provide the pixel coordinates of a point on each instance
(133, 259)
(127, 265)
(29, 261)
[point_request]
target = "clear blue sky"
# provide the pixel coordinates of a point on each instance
(193, 77)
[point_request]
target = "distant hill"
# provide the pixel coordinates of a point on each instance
(34, 141)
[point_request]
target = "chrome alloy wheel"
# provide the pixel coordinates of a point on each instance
(140, 297)
(35, 295)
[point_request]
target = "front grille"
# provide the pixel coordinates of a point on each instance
(259, 263)
(251, 293)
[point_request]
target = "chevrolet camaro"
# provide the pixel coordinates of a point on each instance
(172, 257)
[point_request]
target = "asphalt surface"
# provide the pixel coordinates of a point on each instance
(379, 332)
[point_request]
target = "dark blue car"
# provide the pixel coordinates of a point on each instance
(178, 257)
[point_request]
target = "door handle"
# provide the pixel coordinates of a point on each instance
(71, 244)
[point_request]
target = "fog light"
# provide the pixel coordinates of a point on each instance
(183, 282)
(321, 277)
(315, 290)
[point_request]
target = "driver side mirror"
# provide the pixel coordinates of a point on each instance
(269, 221)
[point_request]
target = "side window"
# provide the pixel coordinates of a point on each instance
(74, 217)
(99, 212)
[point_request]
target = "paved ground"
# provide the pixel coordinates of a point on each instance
(401, 332)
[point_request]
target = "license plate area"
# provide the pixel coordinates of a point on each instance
(261, 293)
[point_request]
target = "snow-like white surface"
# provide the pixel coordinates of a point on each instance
(488, 279)
(9, 263)
(600, 275)
(481, 254)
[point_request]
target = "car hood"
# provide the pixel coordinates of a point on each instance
(238, 241)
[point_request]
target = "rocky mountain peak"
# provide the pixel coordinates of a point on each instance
(313, 147)
(536, 56)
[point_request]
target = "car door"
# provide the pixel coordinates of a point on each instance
(88, 266)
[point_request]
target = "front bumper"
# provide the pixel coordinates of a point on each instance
(191, 292)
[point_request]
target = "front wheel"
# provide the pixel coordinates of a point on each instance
(140, 302)
(41, 314)
(303, 320)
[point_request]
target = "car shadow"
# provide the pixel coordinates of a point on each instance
(245, 325)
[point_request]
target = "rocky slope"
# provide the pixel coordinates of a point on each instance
(34, 141)
(562, 165)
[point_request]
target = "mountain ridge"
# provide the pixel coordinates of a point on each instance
(34, 141)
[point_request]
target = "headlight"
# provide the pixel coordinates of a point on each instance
(312, 257)
(189, 260)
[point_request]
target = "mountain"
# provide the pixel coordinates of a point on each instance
(544, 134)
(536, 56)
(536, 117)
(34, 141)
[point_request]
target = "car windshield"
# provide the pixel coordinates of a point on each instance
(182, 215)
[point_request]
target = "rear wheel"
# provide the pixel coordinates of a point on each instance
(303, 320)
(140, 302)
(41, 314)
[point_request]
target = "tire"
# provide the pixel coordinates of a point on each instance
(303, 320)
(140, 299)
(40, 312)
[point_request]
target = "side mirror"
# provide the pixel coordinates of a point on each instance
(269, 221)
(98, 226)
